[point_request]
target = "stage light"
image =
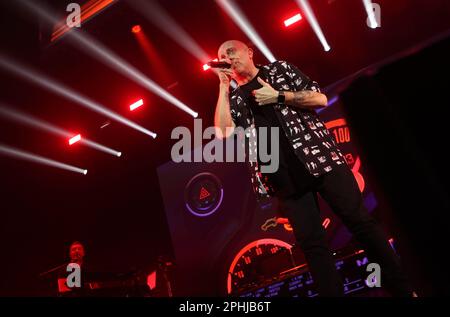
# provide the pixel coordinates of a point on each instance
(75, 139)
(104, 55)
(308, 12)
(156, 15)
(51, 85)
(89, 9)
(206, 66)
(150, 49)
(241, 20)
(10, 113)
(136, 29)
(27, 156)
(292, 20)
(136, 105)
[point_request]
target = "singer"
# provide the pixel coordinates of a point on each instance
(279, 95)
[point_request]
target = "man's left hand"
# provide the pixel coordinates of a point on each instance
(266, 94)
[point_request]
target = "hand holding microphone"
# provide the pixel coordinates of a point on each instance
(223, 70)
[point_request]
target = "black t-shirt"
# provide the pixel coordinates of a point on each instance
(265, 116)
(291, 174)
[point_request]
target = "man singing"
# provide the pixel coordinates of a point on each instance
(280, 96)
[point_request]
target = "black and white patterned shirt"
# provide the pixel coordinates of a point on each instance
(311, 141)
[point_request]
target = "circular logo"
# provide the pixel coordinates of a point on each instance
(246, 262)
(203, 194)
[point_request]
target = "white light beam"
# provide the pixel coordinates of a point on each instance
(241, 20)
(50, 84)
(109, 58)
(306, 8)
(27, 156)
(34, 122)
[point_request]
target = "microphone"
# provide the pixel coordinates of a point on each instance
(214, 64)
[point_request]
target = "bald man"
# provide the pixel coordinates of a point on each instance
(279, 96)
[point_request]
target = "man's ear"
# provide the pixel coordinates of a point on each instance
(250, 53)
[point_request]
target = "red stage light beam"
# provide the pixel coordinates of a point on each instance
(136, 29)
(75, 139)
(137, 104)
(292, 20)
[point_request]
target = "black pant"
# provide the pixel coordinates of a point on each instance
(340, 190)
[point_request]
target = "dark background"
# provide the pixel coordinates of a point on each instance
(117, 210)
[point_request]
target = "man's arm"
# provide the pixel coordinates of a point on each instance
(306, 96)
(222, 119)
(305, 99)
(308, 99)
